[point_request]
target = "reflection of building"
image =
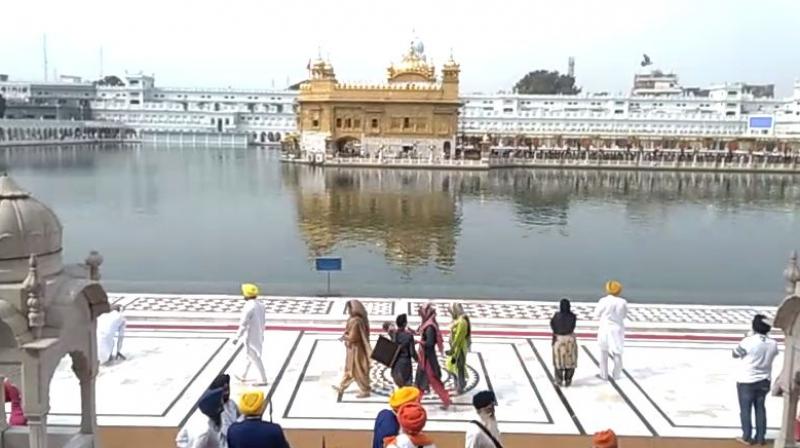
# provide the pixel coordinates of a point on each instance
(412, 115)
(412, 215)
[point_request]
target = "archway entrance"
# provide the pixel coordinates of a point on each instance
(348, 147)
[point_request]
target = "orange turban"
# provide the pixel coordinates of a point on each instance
(613, 287)
(412, 418)
(604, 439)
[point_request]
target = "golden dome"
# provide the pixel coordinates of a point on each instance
(414, 66)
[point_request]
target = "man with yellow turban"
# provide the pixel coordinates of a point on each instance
(251, 324)
(386, 422)
(611, 312)
(253, 432)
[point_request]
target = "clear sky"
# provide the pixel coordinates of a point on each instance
(255, 43)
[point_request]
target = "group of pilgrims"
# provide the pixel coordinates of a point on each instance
(402, 425)
(425, 352)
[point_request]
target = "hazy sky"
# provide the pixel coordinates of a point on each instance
(257, 43)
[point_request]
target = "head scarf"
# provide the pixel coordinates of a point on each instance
(403, 396)
(222, 381)
(249, 291)
(457, 311)
(604, 439)
(613, 287)
(252, 403)
(428, 315)
(210, 405)
(356, 309)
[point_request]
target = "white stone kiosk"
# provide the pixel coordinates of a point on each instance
(788, 320)
(47, 311)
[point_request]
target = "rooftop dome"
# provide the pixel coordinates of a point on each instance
(27, 227)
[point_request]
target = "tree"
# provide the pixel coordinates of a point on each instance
(545, 82)
(2, 106)
(110, 80)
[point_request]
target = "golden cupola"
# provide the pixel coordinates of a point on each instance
(413, 67)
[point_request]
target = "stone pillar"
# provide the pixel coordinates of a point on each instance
(36, 386)
(788, 320)
(86, 371)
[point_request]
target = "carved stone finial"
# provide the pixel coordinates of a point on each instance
(34, 289)
(94, 260)
(792, 274)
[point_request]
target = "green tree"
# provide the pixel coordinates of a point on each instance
(2, 106)
(110, 80)
(545, 82)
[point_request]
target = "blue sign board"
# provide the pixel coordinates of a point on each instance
(329, 264)
(761, 122)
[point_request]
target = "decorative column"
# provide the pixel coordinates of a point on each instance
(787, 320)
(86, 371)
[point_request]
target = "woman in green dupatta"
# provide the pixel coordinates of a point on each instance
(460, 342)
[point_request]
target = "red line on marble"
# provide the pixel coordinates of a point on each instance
(677, 337)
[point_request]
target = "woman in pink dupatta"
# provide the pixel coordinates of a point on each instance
(428, 371)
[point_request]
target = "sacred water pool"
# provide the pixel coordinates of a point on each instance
(198, 220)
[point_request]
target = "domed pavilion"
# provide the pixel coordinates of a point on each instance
(48, 311)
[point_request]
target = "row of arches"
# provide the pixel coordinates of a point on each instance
(16, 134)
(266, 137)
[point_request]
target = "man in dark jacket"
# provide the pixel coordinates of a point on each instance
(252, 432)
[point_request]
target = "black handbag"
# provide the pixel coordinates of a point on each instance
(385, 351)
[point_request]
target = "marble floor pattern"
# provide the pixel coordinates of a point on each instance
(667, 389)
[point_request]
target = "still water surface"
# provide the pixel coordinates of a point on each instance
(204, 220)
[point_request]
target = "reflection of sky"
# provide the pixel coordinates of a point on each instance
(204, 220)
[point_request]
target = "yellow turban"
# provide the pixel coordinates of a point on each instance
(250, 290)
(403, 396)
(252, 403)
(613, 287)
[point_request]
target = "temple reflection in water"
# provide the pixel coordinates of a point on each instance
(415, 216)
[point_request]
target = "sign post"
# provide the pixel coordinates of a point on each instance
(328, 265)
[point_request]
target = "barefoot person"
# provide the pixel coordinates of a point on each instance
(110, 329)
(565, 346)
(403, 368)
(356, 339)
(429, 374)
(611, 311)
(251, 325)
(460, 341)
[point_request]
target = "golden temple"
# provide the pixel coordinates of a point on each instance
(412, 114)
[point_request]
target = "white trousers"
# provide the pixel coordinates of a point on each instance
(604, 355)
(105, 343)
(254, 357)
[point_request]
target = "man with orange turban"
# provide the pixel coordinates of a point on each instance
(604, 439)
(611, 311)
(412, 418)
(386, 422)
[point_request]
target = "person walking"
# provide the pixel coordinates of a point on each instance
(611, 312)
(253, 432)
(483, 432)
(757, 352)
(356, 339)
(403, 368)
(110, 328)
(251, 326)
(429, 374)
(565, 346)
(460, 341)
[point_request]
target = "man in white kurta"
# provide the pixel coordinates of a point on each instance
(110, 328)
(251, 326)
(611, 312)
